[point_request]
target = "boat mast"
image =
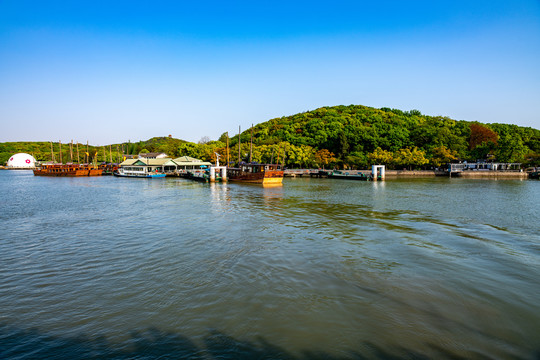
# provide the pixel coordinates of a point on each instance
(251, 145)
(87, 153)
(239, 133)
(52, 154)
(60, 146)
(71, 151)
(227, 148)
(78, 160)
(110, 152)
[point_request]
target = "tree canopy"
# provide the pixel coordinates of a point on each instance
(353, 136)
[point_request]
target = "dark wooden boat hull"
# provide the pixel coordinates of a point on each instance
(72, 170)
(268, 177)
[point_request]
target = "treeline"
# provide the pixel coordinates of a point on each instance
(65, 152)
(83, 153)
(357, 136)
(352, 136)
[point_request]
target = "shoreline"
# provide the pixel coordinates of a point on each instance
(464, 174)
(395, 174)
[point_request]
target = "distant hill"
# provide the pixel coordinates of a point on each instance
(42, 150)
(353, 133)
(353, 136)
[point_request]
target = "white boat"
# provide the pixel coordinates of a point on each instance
(137, 172)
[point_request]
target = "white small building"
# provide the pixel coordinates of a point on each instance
(153, 155)
(21, 161)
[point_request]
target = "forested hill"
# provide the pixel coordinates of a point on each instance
(358, 135)
(44, 151)
(352, 136)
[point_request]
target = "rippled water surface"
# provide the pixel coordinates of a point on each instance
(318, 268)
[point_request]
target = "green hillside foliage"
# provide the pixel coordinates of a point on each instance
(42, 150)
(357, 136)
(352, 136)
(67, 153)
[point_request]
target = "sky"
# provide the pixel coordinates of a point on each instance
(117, 71)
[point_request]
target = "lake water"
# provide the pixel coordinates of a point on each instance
(116, 268)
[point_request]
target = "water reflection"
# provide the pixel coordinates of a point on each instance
(313, 269)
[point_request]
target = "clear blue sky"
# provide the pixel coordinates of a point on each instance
(112, 71)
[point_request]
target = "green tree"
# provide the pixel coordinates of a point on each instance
(380, 156)
(301, 156)
(411, 157)
(442, 155)
(511, 149)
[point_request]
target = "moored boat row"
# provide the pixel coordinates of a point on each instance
(69, 170)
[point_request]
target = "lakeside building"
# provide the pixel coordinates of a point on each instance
(185, 163)
(143, 166)
(483, 166)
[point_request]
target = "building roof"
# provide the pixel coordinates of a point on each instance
(155, 162)
(181, 161)
(128, 162)
(189, 161)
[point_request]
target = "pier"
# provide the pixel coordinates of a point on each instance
(378, 172)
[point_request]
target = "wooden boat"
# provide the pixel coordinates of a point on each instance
(256, 173)
(338, 174)
(67, 170)
(108, 169)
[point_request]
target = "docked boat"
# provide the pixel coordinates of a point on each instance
(138, 172)
(67, 170)
(256, 173)
(108, 169)
(338, 174)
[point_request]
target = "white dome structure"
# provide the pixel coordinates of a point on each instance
(21, 160)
